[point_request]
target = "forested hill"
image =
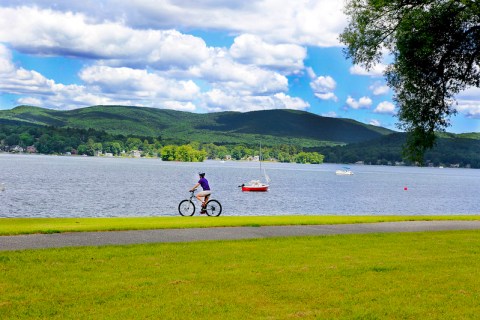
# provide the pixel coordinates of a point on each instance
(270, 126)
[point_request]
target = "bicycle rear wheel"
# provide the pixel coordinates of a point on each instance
(214, 208)
(186, 208)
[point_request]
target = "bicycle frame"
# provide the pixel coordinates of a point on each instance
(211, 208)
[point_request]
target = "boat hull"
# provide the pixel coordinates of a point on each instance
(255, 188)
(343, 173)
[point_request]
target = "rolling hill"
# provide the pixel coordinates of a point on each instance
(270, 126)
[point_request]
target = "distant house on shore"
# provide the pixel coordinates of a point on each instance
(136, 153)
(31, 149)
(16, 149)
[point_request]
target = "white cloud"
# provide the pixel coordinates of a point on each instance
(138, 84)
(362, 103)
(330, 114)
(48, 32)
(217, 100)
(379, 88)
(385, 107)
(376, 71)
(375, 122)
(470, 109)
(303, 22)
(323, 87)
(311, 74)
(326, 96)
(226, 74)
(18, 80)
(29, 101)
(104, 85)
(469, 103)
(251, 49)
(176, 105)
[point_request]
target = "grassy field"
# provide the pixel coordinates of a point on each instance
(14, 226)
(377, 276)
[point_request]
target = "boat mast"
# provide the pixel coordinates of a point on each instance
(260, 158)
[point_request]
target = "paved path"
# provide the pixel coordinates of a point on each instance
(77, 239)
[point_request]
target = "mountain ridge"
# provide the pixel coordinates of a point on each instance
(280, 125)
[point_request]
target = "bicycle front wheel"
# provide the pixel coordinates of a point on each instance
(186, 208)
(214, 208)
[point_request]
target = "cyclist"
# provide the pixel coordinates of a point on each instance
(203, 195)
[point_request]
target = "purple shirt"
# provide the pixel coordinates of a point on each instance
(204, 183)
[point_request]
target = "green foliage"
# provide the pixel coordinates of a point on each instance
(271, 127)
(436, 49)
(53, 140)
(449, 150)
(309, 157)
(232, 142)
(184, 153)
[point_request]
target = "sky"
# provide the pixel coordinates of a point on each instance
(194, 55)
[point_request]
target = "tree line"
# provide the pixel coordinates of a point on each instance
(450, 151)
(90, 142)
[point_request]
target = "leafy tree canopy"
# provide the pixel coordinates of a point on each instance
(435, 46)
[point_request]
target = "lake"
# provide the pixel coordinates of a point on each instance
(52, 186)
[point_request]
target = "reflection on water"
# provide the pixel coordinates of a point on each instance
(49, 186)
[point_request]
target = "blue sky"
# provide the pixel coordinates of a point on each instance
(197, 56)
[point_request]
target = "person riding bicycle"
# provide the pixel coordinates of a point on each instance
(203, 195)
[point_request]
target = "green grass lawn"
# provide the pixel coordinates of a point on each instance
(431, 275)
(13, 226)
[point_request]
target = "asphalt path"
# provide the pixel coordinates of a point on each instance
(80, 239)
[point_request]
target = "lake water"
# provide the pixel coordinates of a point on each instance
(50, 186)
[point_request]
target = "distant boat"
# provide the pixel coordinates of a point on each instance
(257, 185)
(344, 172)
(2, 187)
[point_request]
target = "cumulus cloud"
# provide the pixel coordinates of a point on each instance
(18, 80)
(138, 83)
(177, 105)
(251, 49)
(143, 67)
(375, 122)
(77, 26)
(376, 71)
(236, 87)
(379, 88)
(470, 109)
(330, 114)
(362, 103)
(469, 103)
(323, 86)
(31, 30)
(301, 22)
(103, 85)
(224, 73)
(217, 100)
(385, 107)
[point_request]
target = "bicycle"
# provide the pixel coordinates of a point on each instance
(186, 207)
